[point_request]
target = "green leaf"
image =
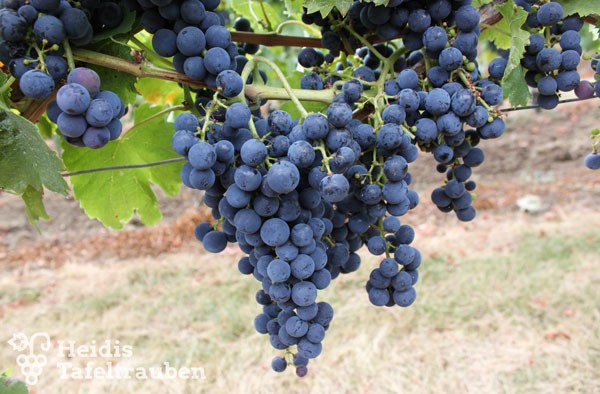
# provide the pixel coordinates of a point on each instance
(325, 6)
(159, 92)
(5, 97)
(113, 196)
(293, 7)
(513, 83)
(125, 27)
(499, 34)
(46, 127)
(581, 7)
(479, 3)
(252, 10)
(34, 206)
(120, 83)
(11, 386)
(309, 106)
(515, 87)
(27, 165)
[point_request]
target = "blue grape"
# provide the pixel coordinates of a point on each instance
(99, 113)
(592, 161)
(202, 156)
(550, 13)
(96, 137)
(36, 84)
(73, 99)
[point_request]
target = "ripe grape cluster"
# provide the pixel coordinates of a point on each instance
(302, 196)
(192, 33)
(549, 69)
(446, 113)
(84, 114)
(300, 200)
(32, 41)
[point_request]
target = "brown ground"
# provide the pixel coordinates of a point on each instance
(507, 303)
(541, 154)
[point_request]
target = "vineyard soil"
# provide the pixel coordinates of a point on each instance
(507, 303)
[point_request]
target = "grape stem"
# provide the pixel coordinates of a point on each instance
(150, 53)
(189, 101)
(308, 28)
(285, 82)
(7, 85)
(69, 54)
(366, 43)
(269, 26)
(146, 69)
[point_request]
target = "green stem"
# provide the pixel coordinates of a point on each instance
(213, 105)
(269, 27)
(366, 43)
(189, 100)
(158, 115)
(40, 54)
(285, 82)
(321, 148)
(7, 85)
(69, 54)
(146, 69)
(150, 53)
(308, 28)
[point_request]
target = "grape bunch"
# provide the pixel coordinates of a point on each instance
(292, 195)
(192, 33)
(33, 34)
(446, 113)
(302, 196)
(84, 114)
(549, 69)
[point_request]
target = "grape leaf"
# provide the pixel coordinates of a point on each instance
(46, 127)
(122, 84)
(479, 3)
(581, 7)
(11, 386)
(513, 83)
(27, 165)
(159, 92)
(34, 205)
(325, 6)
(113, 196)
(5, 97)
(499, 34)
(253, 10)
(293, 7)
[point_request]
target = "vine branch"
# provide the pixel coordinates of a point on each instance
(169, 161)
(123, 167)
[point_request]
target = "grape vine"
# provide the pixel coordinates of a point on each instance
(301, 187)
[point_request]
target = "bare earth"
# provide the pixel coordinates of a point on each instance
(509, 303)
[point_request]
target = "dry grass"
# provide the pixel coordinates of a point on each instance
(502, 308)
